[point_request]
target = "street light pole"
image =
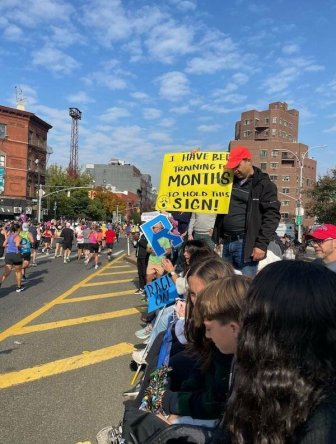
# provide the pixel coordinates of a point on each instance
(300, 209)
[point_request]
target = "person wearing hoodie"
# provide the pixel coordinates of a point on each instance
(253, 216)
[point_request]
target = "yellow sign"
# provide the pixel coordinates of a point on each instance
(196, 182)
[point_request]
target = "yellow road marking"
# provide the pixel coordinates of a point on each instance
(64, 365)
(76, 321)
(121, 266)
(117, 273)
(93, 297)
(120, 281)
(16, 327)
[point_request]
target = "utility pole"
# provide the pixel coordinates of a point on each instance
(39, 205)
(300, 209)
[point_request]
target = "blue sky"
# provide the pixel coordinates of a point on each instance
(156, 76)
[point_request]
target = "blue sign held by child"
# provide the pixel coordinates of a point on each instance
(160, 292)
(153, 236)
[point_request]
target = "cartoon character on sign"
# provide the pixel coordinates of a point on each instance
(162, 202)
(153, 236)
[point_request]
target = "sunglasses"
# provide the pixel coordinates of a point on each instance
(319, 241)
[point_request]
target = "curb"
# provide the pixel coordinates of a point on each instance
(131, 259)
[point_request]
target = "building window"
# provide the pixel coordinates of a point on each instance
(263, 153)
(274, 131)
(280, 121)
(3, 130)
(246, 133)
(285, 190)
(263, 166)
(2, 161)
(30, 137)
(284, 215)
(285, 203)
(275, 153)
(266, 120)
(273, 178)
(274, 120)
(274, 165)
(247, 122)
(285, 178)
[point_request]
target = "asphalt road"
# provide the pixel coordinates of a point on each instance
(65, 347)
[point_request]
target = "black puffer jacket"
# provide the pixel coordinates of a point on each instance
(262, 217)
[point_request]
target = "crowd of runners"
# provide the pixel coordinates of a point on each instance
(20, 243)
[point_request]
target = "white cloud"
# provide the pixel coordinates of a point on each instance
(184, 109)
(208, 128)
(81, 97)
(160, 137)
(114, 113)
(291, 49)
(107, 80)
(292, 69)
(107, 19)
(167, 122)
(32, 13)
(140, 96)
(54, 60)
(13, 33)
(174, 86)
(151, 113)
(240, 78)
(65, 36)
(168, 40)
(184, 5)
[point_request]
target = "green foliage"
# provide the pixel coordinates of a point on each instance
(323, 199)
(76, 203)
(135, 217)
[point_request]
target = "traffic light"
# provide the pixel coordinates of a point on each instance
(92, 194)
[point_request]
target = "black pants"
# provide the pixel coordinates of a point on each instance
(142, 267)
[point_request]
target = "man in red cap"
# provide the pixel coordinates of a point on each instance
(324, 243)
(253, 215)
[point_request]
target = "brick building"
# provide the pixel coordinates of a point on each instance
(272, 137)
(23, 155)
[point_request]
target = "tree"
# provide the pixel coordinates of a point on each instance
(76, 203)
(322, 202)
(110, 202)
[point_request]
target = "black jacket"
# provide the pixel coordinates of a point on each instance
(141, 245)
(262, 217)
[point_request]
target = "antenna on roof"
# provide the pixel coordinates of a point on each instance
(20, 100)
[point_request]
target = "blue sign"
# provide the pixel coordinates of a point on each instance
(160, 292)
(165, 228)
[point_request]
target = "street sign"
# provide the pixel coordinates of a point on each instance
(298, 220)
(2, 180)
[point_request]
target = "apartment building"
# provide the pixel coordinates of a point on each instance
(23, 155)
(272, 137)
(118, 175)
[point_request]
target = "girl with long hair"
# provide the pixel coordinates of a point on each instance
(285, 374)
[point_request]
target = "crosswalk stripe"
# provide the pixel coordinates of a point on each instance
(118, 273)
(64, 365)
(120, 281)
(16, 327)
(76, 321)
(93, 297)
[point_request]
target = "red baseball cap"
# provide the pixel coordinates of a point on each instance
(237, 155)
(325, 231)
